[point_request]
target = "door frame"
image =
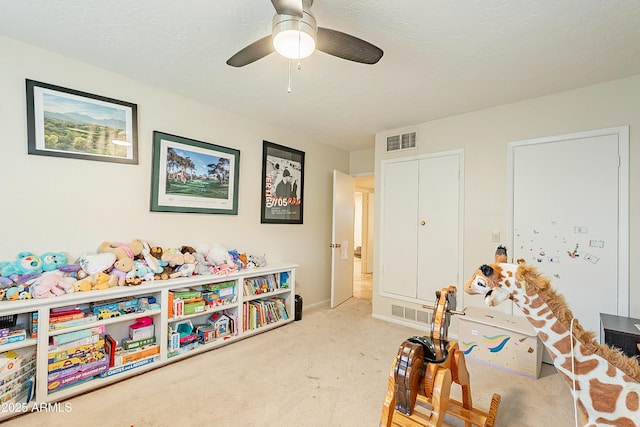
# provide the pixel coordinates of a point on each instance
(622, 132)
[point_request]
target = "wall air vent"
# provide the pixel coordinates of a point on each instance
(424, 317)
(402, 141)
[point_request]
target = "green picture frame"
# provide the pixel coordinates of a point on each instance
(192, 176)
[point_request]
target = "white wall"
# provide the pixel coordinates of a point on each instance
(484, 136)
(69, 205)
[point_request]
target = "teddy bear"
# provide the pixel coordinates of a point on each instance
(173, 257)
(25, 263)
(140, 271)
(185, 270)
(52, 285)
(53, 260)
(151, 261)
(254, 261)
(130, 250)
(217, 255)
(98, 281)
(203, 267)
(119, 271)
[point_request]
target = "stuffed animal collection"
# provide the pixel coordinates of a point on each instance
(114, 264)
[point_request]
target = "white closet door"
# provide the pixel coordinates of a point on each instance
(567, 219)
(418, 260)
(399, 219)
(438, 225)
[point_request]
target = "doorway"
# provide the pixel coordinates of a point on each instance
(363, 238)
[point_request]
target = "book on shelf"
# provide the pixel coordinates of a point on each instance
(260, 285)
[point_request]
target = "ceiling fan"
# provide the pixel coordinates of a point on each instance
(295, 35)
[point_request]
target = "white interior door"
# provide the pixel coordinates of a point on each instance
(342, 238)
(570, 204)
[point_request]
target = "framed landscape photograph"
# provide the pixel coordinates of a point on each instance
(193, 176)
(64, 122)
(282, 184)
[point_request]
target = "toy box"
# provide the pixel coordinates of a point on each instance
(11, 361)
(130, 366)
(206, 333)
(34, 324)
(20, 390)
(80, 351)
(178, 308)
(122, 357)
(73, 368)
(76, 335)
(129, 344)
(143, 328)
(187, 295)
(184, 349)
(86, 371)
(217, 287)
(501, 340)
(193, 307)
(129, 305)
(16, 334)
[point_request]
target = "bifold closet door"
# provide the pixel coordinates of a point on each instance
(438, 225)
(420, 222)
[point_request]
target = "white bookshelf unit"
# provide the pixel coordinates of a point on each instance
(273, 305)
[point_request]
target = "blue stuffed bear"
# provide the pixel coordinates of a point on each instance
(53, 260)
(25, 263)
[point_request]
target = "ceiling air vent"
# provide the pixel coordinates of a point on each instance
(403, 141)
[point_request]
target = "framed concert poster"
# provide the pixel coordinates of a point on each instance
(282, 184)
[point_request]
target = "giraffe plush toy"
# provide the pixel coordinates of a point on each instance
(605, 383)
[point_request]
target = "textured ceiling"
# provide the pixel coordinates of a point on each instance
(441, 57)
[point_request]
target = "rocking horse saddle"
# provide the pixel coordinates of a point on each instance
(435, 351)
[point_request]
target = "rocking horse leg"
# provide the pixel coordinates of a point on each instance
(461, 376)
(440, 400)
(389, 404)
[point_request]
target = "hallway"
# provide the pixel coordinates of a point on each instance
(362, 283)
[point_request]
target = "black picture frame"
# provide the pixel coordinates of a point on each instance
(193, 176)
(282, 185)
(63, 122)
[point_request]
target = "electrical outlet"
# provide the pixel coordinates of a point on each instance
(495, 236)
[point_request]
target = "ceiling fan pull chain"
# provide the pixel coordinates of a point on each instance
(289, 87)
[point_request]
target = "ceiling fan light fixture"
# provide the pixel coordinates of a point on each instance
(293, 37)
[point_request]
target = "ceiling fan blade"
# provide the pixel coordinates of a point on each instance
(288, 7)
(256, 50)
(347, 47)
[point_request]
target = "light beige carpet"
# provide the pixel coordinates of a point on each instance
(329, 369)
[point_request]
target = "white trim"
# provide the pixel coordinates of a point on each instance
(417, 326)
(622, 132)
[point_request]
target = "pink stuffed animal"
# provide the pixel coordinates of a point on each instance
(52, 285)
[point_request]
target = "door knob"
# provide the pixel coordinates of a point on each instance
(423, 223)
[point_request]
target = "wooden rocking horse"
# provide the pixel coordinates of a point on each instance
(422, 373)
